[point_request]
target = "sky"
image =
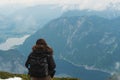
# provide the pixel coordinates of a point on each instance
(83, 4)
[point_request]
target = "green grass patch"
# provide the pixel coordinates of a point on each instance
(5, 75)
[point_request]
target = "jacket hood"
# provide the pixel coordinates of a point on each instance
(42, 48)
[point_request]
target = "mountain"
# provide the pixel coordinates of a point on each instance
(4, 25)
(35, 17)
(88, 41)
(25, 20)
(66, 69)
(110, 11)
(116, 76)
(18, 20)
(12, 61)
(107, 13)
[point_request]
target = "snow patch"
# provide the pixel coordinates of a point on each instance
(73, 32)
(117, 65)
(11, 42)
(15, 78)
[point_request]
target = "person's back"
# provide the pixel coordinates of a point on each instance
(40, 62)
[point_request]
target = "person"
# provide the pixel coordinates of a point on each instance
(41, 54)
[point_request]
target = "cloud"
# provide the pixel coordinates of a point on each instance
(11, 42)
(90, 4)
(28, 2)
(82, 4)
(66, 4)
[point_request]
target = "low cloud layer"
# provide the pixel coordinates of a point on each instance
(81, 4)
(11, 42)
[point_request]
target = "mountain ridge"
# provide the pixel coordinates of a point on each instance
(109, 14)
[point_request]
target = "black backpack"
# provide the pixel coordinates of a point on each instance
(39, 65)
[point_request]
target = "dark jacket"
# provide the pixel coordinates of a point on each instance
(37, 51)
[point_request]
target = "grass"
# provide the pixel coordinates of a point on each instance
(5, 75)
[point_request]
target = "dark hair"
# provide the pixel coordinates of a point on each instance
(42, 45)
(41, 42)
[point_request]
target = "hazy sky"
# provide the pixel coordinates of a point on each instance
(96, 4)
(31, 2)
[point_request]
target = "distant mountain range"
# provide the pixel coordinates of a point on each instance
(24, 21)
(12, 61)
(109, 13)
(21, 20)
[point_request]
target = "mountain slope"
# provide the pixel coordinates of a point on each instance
(116, 76)
(92, 41)
(12, 61)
